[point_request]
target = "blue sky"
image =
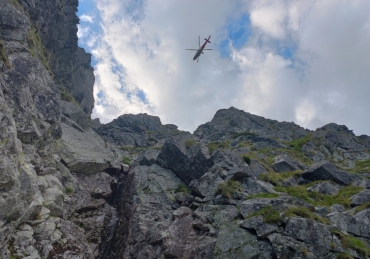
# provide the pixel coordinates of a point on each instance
(289, 60)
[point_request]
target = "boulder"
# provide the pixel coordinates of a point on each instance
(285, 163)
(85, 152)
(257, 224)
(311, 232)
(360, 198)
(326, 171)
(291, 181)
(188, 163)
(324, 188)
(357, 225)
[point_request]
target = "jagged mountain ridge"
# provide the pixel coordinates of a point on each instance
(241, 186)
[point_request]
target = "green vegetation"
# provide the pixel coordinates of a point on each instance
(343, 255)
(362, 207)
(277, 178)
(216, 145)
(3, 56)
(353, 243)
(362, 166)
(183, 188)
(305, 213)
(228, 188)
(69, 190)
(270, 215)
(126, 160)
(263, 195)
(37, 49)
(244, 134)
(17, 4)
(132, 149)
(246, 159)
(298, 143)
(66, 96)
(152, 139)
(189, 143)
(315, 198)
(244, 144)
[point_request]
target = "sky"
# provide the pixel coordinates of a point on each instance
(306, 62)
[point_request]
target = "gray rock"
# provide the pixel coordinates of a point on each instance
(360, 198)
(291, 181)
(85, 152)
(14, 23)
(324, 188)
(255, 187)
(311, 232)
(285, 163)
(262, 229)
(288, 247)
(327, 171)
(347, 223)
(206, 185)
(187, 163)
(337, 208)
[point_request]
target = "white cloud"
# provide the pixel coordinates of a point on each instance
(86, 18)
(326, 79)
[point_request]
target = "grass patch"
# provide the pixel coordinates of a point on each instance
(213, 146)
(228, 188)
(69, 190)
(244, 144)
(246, 159)
(277, 178)
(37, 49)
(17, 5)
(183, 188)
(251, 134)
(362, 166)
(270, 215)
(315, 198)
(305, 213)
(263, 195)
(353, 243)
(297, 144)
(67, 96)
(362, 207)
(126, 160)
(343, 255)
(189, 143)
(3, 55)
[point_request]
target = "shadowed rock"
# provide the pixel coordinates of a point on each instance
(327, 171)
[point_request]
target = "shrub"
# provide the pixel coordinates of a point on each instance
(228, 188)
(270, 215)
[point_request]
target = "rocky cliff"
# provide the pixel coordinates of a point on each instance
(240, 186)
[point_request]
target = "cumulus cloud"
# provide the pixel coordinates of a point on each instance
(304, 61)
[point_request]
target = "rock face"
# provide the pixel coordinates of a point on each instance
(241, 186)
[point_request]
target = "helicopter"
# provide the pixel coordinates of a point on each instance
(201, 48)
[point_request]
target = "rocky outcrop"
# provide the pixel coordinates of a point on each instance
(327, 171)
(71, 187)
(140, 130)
